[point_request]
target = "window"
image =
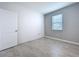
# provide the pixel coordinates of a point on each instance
(57, 22)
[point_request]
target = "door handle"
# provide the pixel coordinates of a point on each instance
(16, 30)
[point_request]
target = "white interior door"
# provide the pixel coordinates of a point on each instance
(8, 27)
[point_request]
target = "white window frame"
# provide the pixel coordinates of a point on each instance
(57, 19)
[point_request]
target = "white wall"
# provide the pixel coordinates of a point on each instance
(30, 23)
(31, 26)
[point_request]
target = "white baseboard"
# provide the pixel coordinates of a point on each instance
(67, 41)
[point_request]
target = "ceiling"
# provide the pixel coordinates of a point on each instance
(45, 7)
(41, 7)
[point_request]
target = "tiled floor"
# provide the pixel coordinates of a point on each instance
(42, 48)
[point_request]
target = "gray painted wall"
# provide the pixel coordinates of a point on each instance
(71, 23)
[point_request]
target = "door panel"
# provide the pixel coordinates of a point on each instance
(8, 25)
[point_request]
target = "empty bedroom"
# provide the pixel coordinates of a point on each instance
(39, 29)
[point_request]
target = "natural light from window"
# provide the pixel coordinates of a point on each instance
(57, 22)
